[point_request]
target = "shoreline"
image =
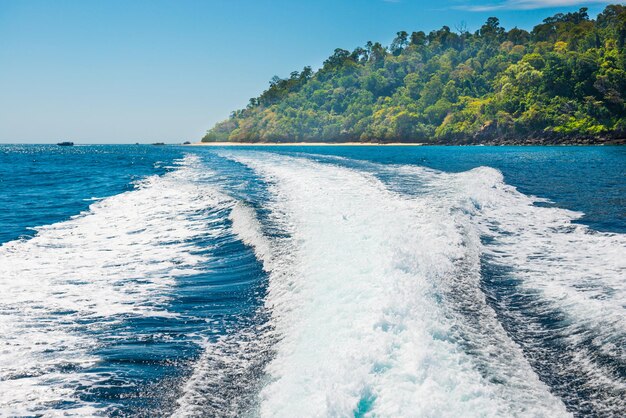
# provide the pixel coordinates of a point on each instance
(301, 144)
(402, 144)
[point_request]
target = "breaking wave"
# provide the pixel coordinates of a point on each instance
(367, 310)
(75, 279)
(347, 289)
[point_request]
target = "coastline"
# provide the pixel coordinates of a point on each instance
(301, 144)
(408, 144)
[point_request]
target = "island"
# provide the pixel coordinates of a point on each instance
(562, 82)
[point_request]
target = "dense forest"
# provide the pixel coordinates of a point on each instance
(565, 81)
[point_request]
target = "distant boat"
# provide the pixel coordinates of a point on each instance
(65, 144)
(159, 143)
(186, 143)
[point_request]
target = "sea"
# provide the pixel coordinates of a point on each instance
(320, 281)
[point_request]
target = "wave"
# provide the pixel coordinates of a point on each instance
(229, 374)
(384, 291)
(557, 286)
(378, 310)
(76, 279)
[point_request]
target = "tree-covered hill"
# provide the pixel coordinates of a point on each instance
(565, 81)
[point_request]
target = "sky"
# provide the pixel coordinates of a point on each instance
(94, 71)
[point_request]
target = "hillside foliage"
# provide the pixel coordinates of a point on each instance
(564, 80)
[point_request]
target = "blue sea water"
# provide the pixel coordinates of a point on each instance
(312, 281)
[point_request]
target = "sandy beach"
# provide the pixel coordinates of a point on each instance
(299, 144)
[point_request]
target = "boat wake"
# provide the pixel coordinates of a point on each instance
(383, 290)
(75, 280)
(368, 313)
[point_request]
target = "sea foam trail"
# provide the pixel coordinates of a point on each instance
(226, 378)
(361, 312)
(557, 286)
(567, 299)
(74, 279)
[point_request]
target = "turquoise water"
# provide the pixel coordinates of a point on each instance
(312, 281)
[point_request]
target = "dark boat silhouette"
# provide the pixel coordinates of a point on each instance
(65, 144)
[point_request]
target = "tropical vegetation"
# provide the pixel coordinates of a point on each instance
(564, 81)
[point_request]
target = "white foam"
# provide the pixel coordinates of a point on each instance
(117, 260)
(571, 269)
(567, 273)
(552, 254)
(358, 311)
(226, 377)
(247, 227)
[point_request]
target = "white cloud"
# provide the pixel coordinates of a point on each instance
(530, 4)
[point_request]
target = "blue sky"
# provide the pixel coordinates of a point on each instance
(144, 71)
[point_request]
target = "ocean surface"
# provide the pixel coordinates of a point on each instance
(312, 281)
